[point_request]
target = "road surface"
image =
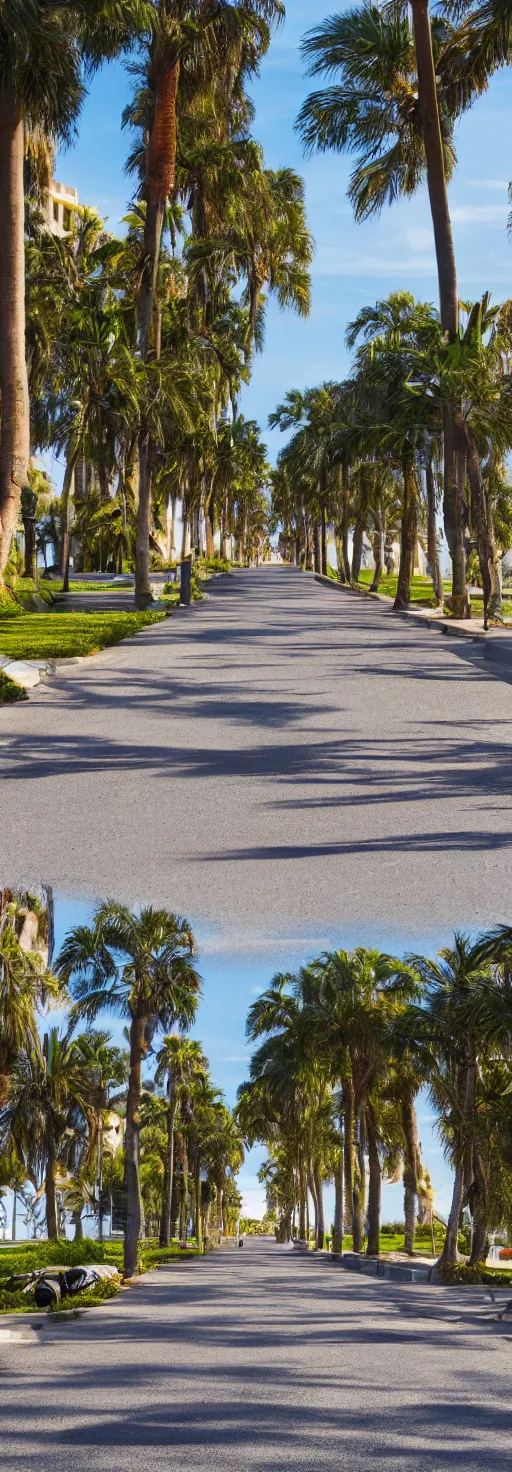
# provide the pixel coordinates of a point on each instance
(256, 1361)
(282, 757)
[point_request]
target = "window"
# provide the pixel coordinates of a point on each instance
(56, 211)
(66, 219)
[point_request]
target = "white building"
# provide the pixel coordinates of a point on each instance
(61, 203)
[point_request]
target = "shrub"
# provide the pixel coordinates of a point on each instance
(9, 691)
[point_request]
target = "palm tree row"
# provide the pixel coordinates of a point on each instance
(130, 354)
(398, 83)
(61, 1088)
(344, 1046)
(366, 453)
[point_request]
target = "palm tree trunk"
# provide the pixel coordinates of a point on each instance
(302, 1203)
(348, 1143)
(160, 180)
(408, 533)
(378, 555)
(52, 1220)
(324, 541)
(480, 1234)
(357, 550)
(320, 1216)
(374, 1184)
(432, 537)
(199, 1203)
(314, 1198)
(165, 1220)
(14, 401)
(410, 1131)
(14, 1205)
(143, 594)
(69, 472)
(133, 1211)
(184, 1191)
(447, 276)
(78, 1225)
(317, 554)
(337, 1235)
(483, 524)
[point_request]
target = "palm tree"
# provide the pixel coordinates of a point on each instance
(191, 42)
(446, 1036)
(387, 105)
(44, 46)
(49, 1113)
(142, 967)
(182, 1063)
(26, 983)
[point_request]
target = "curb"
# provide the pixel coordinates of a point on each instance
(376, 1267)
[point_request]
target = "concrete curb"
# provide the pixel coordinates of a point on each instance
(376, 1267)
(497, 647)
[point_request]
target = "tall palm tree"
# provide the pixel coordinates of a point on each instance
(388, 106)
(142, 967)
(446, 1035)
(191, 42)
(181, 1062)
(45, 46)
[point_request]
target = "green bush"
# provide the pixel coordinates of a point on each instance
(9, 691)
(461, 1272)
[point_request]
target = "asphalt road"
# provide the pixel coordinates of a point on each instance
(257, 1361)
(281, 758)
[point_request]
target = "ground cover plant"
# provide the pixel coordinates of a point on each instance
(9, 691)
(63, 635)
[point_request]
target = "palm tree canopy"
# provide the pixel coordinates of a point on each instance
(138, 965)
(372, 108)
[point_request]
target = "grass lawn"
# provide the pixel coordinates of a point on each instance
(421, 592)
(62, 635)
(30, 1256)
(421, 587)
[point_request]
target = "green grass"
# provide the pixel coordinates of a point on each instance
(63, 635)
(421, 587)
(27, 1257)
(9, 691)
(79, 586)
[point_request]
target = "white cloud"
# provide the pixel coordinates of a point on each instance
(477, 214)
(500, 184)
(420, 239)
(331, 260)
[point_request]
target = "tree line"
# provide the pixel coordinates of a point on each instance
(366, 454)
(395, 83)
(344, 1047)
(130, 354)
(62, 1087)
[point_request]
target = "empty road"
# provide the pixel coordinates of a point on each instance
(256, 1361)
(282, 756)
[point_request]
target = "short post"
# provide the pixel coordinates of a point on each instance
(186, 581)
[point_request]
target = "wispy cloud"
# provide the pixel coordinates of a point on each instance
(500, 184)
(332, 260)
(477, 214)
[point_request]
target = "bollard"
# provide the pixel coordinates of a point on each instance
(185, 581)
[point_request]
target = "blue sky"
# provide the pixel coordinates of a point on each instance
(354, 264)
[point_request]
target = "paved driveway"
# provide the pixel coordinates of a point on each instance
(254, 1361)
(282, 757)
